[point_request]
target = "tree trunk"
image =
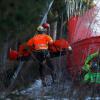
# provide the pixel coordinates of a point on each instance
(53, 28)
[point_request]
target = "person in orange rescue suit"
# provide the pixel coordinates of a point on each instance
(39, 43)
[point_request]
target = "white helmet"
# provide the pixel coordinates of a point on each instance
(40, 28)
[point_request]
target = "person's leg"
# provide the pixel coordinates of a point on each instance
(51, 68)
(47, 63)
(39, 59)
(41, 71)
(42, 65)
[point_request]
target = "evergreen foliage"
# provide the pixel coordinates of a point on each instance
(21, 17)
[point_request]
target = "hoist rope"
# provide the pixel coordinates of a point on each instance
(45, 16)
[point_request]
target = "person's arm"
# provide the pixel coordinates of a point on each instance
(86, 66)
(90, 57)
(49, 39)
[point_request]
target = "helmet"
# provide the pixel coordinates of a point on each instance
(40, 29)
(46, 25)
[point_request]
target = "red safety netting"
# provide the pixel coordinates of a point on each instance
(81, 50)
(84, 37)
(82, 27)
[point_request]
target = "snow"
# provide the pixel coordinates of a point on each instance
(35, 89)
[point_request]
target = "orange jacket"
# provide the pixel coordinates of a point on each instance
(40, 41)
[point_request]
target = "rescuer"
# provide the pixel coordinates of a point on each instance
(39, 43)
